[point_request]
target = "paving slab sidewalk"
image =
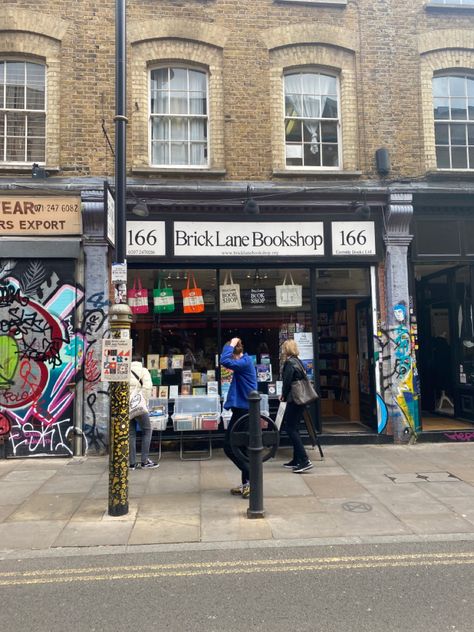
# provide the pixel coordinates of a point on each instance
(356, 492)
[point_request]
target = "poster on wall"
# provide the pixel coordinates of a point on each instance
(304, 340)
(116, 360)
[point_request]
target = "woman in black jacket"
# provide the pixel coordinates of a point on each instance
(293, 370)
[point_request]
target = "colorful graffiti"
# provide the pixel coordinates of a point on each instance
(399, 372)
(96, 394)
(41, 354)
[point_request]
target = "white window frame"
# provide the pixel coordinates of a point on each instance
(5, 110)
(319, 71)
(151, 116)
(451, 121)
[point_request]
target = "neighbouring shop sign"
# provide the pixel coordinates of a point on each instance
(40, 215)
(353, 238)
(110, 215)
(146, 239)
(236, 239)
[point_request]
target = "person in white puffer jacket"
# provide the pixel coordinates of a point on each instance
(140, 379)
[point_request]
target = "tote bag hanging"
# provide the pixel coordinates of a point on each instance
(229, 294)
(137, 298)
(193, 301)
(257, 297)
(163, 299)
(289, 295)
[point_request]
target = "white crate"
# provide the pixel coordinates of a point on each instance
(158, 412)
(196, 412)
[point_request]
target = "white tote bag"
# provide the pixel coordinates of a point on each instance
(229, 294)
(289, 294)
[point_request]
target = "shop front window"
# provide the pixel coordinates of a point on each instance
(275, 306)
(177, 336)
(464, 325)
(342, 281)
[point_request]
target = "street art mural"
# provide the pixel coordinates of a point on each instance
(96, 394)
(41, 354)
(399, 375)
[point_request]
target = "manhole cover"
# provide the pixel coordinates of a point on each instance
(357, 507)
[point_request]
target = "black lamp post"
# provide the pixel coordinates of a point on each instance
(119, 313)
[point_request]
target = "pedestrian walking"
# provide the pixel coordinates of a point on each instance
(293, 370)
(244, 380)
(140, 380)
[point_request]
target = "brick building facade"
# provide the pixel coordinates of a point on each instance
(357, 115)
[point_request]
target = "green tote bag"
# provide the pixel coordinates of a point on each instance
(163, 299)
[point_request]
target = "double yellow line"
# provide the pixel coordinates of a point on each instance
(290, 565)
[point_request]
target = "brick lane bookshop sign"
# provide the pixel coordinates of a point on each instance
(236, 239)
(38, 215)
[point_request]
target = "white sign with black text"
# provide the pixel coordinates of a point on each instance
(236, 239)
(110, 218)
(145, 239)
(353, 238)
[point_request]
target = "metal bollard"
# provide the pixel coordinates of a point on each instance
(255, 448)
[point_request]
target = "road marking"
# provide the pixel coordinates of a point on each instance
(150, 571)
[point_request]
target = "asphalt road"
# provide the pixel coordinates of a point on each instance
(397, 587)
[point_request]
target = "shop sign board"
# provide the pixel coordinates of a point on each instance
(116, 360)
(145, 239)
(237, 239)
(110, 215)
(353, 238)
(40, 215)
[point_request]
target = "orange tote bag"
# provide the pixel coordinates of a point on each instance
(193, 302)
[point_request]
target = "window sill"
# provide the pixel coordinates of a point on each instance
(26, 169)
(178, 171)
(450, 174)
(449, 7)
(287, 173)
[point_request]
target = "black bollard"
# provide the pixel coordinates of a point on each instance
(255, 448)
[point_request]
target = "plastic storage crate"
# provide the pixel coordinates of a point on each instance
(196, 412)
(158, 412)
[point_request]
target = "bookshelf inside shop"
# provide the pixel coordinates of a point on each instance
(337, 359)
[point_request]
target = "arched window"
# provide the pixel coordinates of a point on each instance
(22, 111)
(453, 105)
(312, 123)
(178, 117)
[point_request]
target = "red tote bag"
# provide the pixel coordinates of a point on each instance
(137, 298)
(193, 301)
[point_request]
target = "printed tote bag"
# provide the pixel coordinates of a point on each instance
(163, 299)
(289, 294)
(137, 297)
(193, 301)
(229, 294)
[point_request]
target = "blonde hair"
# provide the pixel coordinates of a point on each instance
(290, 348)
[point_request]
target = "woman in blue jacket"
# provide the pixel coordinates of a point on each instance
(244, 380)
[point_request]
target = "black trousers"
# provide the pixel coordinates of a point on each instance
(237, 413)
(292, 418)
